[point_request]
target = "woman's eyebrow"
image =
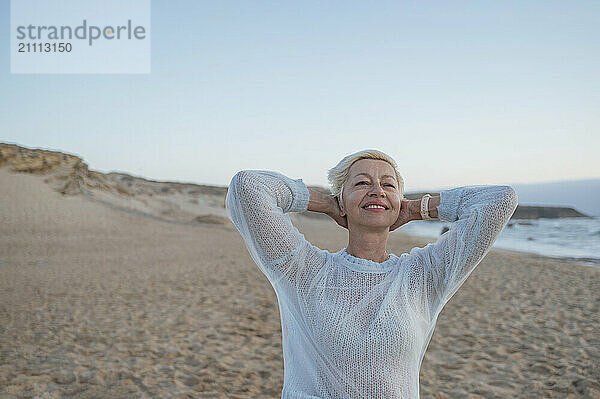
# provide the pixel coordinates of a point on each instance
(369, 176)
(361, 174)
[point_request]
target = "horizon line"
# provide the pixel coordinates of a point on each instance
(226, 185)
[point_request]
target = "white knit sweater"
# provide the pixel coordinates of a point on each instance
(355, 328)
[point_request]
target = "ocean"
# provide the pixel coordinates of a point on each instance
(572, 239)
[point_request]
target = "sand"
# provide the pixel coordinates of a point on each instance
(100, 302)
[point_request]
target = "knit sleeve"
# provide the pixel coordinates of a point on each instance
(258, 203)
(478, 213)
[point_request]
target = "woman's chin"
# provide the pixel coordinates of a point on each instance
(372, 225)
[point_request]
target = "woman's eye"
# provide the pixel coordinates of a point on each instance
(362, 182)
(390, 185)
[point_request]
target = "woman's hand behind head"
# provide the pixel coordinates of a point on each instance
(327, 204)
(406, 214)
(336, 212)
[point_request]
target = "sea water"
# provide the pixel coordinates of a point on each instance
(574, 239)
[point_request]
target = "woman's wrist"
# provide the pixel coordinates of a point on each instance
(415, 208)
(434, 202)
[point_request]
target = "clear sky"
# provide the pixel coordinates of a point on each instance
(458, 92)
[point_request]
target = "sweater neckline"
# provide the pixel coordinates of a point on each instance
(365, 265)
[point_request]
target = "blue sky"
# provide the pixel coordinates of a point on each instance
(458, 93)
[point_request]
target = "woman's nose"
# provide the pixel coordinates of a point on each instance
(377, 190)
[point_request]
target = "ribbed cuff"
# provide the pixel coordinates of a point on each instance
(449, 203)
(300, 196)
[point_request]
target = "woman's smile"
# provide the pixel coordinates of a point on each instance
(375, 207)
(376, 210)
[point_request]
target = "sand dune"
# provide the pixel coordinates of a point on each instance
(69, 175)
(101, 297)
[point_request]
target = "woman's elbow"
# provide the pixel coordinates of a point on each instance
(511, 196)
(242, 180)
(508, 201)
(243, 185)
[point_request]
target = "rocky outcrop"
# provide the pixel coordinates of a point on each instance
(548, 212)
(21, 159)
(68, 174)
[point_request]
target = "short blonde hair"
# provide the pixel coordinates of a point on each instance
(339, 173)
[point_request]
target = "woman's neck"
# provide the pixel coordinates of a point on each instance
(368, 245)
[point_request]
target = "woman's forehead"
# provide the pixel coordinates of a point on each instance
(371, 168)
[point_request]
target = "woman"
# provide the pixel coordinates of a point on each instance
(356, 323)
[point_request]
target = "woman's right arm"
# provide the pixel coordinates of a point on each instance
(258, 203)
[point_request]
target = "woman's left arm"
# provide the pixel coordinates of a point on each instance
(479, 214)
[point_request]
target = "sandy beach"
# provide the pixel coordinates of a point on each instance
(100, 301)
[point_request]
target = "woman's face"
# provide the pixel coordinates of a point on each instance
(370, 195)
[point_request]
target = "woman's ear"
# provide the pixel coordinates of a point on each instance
(342, 213)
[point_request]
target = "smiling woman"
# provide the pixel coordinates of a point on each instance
(356, 323)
